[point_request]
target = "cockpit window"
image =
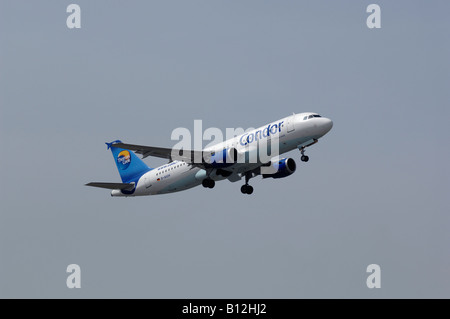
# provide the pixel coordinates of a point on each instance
(311, 116)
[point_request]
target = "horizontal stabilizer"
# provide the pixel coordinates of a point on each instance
(122, 186)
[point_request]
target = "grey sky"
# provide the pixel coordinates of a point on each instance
(374, 191)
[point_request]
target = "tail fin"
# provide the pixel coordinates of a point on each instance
(130, 167)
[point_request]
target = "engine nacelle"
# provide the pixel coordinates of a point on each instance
(284, 167)
(224, 158)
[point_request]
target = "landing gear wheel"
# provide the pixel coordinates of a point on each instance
(304, 157)
(246, 189)
(208, 183)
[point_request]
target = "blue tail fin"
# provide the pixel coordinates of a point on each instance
(130, 167)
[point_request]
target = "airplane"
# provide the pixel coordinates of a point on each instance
(230, 159)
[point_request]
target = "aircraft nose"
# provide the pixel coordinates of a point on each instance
(327, 125)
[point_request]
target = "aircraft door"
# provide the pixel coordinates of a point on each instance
(148, 182)
(291, 123)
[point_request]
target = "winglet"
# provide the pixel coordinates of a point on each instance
(113, 142)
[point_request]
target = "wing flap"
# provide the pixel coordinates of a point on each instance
(234, 178)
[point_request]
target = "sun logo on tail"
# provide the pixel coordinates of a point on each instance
(124, 160)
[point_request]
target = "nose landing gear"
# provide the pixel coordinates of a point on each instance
(304, 157)
(302, 148)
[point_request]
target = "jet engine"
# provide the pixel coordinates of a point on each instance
(284, 167)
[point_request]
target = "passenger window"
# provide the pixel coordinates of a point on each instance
(310, 117)
(305, 118)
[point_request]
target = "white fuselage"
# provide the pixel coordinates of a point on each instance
(293, 132)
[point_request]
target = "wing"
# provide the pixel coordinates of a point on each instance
(169, 153)
(201, 159)
(124, 186)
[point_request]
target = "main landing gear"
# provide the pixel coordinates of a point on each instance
(208, 183)
(247, 189)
